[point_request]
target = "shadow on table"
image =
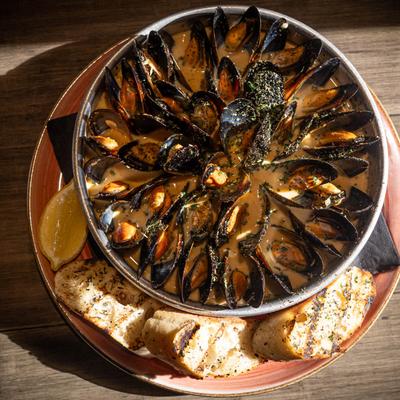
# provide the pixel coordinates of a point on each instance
(56, 347)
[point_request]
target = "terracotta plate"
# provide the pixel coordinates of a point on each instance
(45, 179)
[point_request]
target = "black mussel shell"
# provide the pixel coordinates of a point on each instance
(259, 146)
(248, 245)
(147, 123)
(237, 120)
(229, 80)
(214, 274)
(114, 93)
(342, 148)
(97, 166)
(196, 277)
(140, 191)
(235, 285)
(328, 121)
(316, 77)
(143, 75)
(141, 156)
(124, 233)
(357, 202)
(176, 100)
(198, 52)
(298, 59)
(161, 271)
(131, 95)
(283, 132)
(102, 119)
(205, 111)
(178, 155)
(220, 28)
(274, 40)
(319, 100)
(159, 52)
(264, 86)
(254, 295)
(245, 33)
(352, 166)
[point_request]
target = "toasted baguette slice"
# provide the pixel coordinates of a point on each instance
(201, 346)
(317, 327)
(98, 293)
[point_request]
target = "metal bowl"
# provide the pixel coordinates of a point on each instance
(377, 174)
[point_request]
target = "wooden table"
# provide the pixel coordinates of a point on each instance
(43, 45)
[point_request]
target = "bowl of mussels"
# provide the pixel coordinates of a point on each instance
(230, 161)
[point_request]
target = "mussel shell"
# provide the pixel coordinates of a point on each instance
(298, 59)
(170, 91)
(248, 245)
(138, 64)
(313, 265)
(259, 146)
(275, 37)
(161, 271)
(140, 191)
(300, 228)
(342, 149)
(229, 80)
(159, 52)
(147, 123)
(327, 121)
(316, 77)
(220, 27)
(119, 190)
(236, 118)
(131, 96)
(97, 166)
(205, 111)
(214, 275)
(284, 129)
(264, 86)
(113, 92)
(332, 98)
(102, 119)
(107, 224)
(178, 155)
(235, 285)
(254, 295)
(145, 157)
(357, 202)
(246, 32)
(352, 166)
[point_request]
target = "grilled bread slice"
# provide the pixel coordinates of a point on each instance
(98, 293)
(317, 327)
(201, 346)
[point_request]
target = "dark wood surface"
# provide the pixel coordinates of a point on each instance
(43, 45)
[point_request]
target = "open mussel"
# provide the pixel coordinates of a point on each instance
(220, 27)
(205, 111)
(97, 166)
(178, 155)
(299, 58)
(286, 254)
(324, 226)
(229, 80)
(109, 131)
(235, 284)
(238, 120)
(338, 144)
(142, 156)
(356, 202)
(120, 224)
(274, 40)
(314, 78)
(176, 100)
(226, 181)
(351, 166)
(245, 34)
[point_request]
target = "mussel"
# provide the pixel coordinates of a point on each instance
(178, 155)
(229, 80)
(142, 156)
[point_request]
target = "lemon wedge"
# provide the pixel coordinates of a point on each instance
(62, 227)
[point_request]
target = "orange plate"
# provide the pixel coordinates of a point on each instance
(45, 180)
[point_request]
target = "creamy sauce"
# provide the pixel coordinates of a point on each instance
(251, 202)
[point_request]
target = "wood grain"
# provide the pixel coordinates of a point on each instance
(43, 45)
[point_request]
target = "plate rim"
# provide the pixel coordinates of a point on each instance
(64, 311)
